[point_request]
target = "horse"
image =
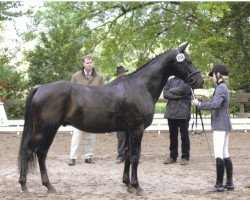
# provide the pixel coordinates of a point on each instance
(125, 104)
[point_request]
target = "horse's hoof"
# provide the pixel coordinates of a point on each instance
(24, 188)
(52, 190)
(26, 193)
(140, 192)
(131, 189)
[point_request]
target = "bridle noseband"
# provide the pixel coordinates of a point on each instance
(189, 78)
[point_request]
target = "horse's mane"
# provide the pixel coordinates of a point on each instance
(149, 62)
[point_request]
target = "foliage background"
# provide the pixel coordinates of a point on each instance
(129, 34)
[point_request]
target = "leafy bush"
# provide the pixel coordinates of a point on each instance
(16, 87)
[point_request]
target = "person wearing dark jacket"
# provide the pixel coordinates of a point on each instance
(120, 71)
(178, 112)
(221, 125)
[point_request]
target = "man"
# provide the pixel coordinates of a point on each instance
(87, 76)
(178, 114)
(120, 71)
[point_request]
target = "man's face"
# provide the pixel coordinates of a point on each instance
(88, 64)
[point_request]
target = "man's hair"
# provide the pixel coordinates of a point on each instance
(87, 56)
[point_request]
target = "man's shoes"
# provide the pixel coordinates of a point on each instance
(184, 161)
(118, 161)
(169, 161)
(89, 160)
(229, 186)
(72, 162)
(217, 188)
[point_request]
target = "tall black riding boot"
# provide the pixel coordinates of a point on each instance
(218, 187)
(229, 171)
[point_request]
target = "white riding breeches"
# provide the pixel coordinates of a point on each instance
(220, 140)
(76, 141)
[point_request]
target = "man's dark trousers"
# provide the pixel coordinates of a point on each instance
(174, 126)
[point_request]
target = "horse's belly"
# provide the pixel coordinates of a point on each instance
(98, 124)
(98, 128)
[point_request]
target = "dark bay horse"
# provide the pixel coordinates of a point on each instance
(126, 104)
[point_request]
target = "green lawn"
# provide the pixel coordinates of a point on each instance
(160, 107)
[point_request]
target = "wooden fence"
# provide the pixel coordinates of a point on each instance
(240, 123)
(241, 99)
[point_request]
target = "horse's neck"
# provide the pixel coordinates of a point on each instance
(155, 76)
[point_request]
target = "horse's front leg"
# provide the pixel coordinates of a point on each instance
(126, 178)
(135, 145)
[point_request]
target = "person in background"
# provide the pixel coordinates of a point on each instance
(120, 71)
(221, 125)
(178, 112)
(87, 76)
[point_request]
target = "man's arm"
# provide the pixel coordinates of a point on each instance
(183, 89)
(167, 94)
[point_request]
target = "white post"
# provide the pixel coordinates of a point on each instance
(3, 116)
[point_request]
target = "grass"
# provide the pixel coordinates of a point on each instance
(160, 107)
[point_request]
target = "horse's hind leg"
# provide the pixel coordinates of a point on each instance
(43, 142)
(41, 155)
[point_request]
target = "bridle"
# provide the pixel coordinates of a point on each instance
(189, 78)
(180, 57)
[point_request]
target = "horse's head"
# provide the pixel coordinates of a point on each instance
(183, 67)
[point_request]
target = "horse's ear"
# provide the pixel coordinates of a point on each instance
(183, 47)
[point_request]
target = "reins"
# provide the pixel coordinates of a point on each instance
(198, 112)
(195, 122)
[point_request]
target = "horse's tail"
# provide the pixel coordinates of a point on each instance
(26, 157)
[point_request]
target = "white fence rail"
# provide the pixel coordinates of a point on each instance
(159, 124)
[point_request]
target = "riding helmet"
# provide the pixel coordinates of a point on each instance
(219, 68)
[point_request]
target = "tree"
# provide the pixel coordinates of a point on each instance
(235, 51)
(7, 12)
(57, 54)
(129, 33)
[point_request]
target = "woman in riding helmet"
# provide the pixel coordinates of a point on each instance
(221, 125)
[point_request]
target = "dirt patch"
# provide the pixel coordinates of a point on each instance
(103, 180)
